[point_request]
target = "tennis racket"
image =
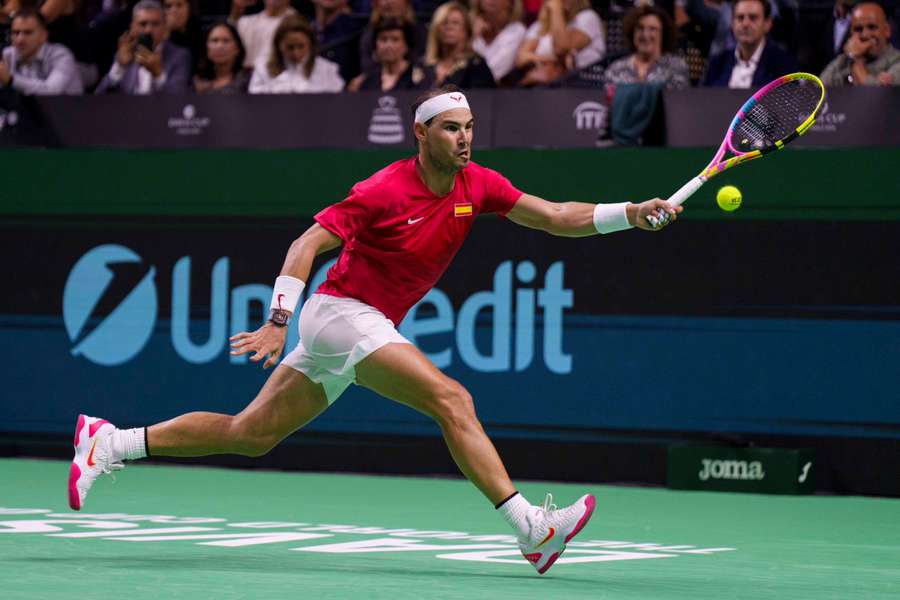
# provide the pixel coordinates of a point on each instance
(778, 113)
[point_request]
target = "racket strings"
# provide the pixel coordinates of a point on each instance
(776, 115)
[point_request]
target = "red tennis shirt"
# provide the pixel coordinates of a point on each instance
(399, 237)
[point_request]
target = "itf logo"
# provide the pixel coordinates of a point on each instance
(109, 305)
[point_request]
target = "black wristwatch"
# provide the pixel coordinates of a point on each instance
(279, 317)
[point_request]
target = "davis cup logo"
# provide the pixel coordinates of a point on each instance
(109, 305)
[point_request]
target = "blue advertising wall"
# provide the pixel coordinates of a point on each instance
(707, 327)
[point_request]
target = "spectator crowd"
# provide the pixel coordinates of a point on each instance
(327, 46)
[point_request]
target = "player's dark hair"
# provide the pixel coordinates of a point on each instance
(446, 89)
(767, 8)
(30, 12)
(633, 17)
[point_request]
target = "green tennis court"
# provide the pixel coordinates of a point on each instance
(163, 531)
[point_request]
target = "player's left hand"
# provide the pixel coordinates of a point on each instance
(656, 208)
(266, 342)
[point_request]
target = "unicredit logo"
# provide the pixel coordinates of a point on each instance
(110, 311)
(109, 305)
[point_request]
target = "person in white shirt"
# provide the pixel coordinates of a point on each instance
(498, 33)
(293, 67)
(257, 30)
(567, 35)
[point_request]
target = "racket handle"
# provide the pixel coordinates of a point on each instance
(686, 191)
(678, 198)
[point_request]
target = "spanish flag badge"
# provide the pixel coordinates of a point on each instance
(462, 210)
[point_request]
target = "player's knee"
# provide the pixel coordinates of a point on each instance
(257, 446)
(248, 440)
(453, 407)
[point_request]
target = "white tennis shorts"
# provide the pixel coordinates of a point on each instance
(335, 335)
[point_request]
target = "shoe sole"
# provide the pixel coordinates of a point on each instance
(78, 463)
(590, 503)
(75, 469)
(550, 562)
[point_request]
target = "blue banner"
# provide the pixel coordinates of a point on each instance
(131, 323)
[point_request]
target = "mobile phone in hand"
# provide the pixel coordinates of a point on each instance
(145, 40)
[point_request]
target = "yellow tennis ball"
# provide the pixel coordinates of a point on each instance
(729, 198)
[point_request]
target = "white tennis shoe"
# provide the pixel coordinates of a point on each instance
(552, 528)
(93, 457)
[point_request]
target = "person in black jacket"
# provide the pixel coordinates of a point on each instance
(756, 60)
(449, 54)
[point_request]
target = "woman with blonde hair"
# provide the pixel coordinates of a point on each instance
(567, 35)
(449, 51)
(498, 33)
(293, 67)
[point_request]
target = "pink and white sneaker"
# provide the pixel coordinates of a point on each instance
(93, 457)
(552, 528)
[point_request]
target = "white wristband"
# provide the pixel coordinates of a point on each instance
(611, 217)
(286, 293)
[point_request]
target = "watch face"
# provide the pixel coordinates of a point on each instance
(279, 317)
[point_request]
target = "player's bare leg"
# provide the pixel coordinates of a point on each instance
(287, 401)
(402, 373)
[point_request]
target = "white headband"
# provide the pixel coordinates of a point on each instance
(435, 106)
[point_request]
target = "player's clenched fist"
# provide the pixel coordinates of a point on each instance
(657, 208)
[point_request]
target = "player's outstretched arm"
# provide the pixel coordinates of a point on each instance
(579, 219)
(268, 341)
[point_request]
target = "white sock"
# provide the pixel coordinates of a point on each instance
(514, 511)
(129, 444)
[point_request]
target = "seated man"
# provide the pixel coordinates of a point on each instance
(146, 63)
(755, 60)
(868, 58)
(33, 66)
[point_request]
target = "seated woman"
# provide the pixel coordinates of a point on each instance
(391, 9)
(293, 67)
(222, 70)
(394, 40)
(498, 33)
(449, 52)
(567, 35)
(183, 27)
(650, 33)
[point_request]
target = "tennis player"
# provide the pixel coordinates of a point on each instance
(400, 228)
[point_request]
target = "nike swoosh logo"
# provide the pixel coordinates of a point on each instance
(547, 539)
(90, 458)
(280, 296)
(802, 478)
(413, 221)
